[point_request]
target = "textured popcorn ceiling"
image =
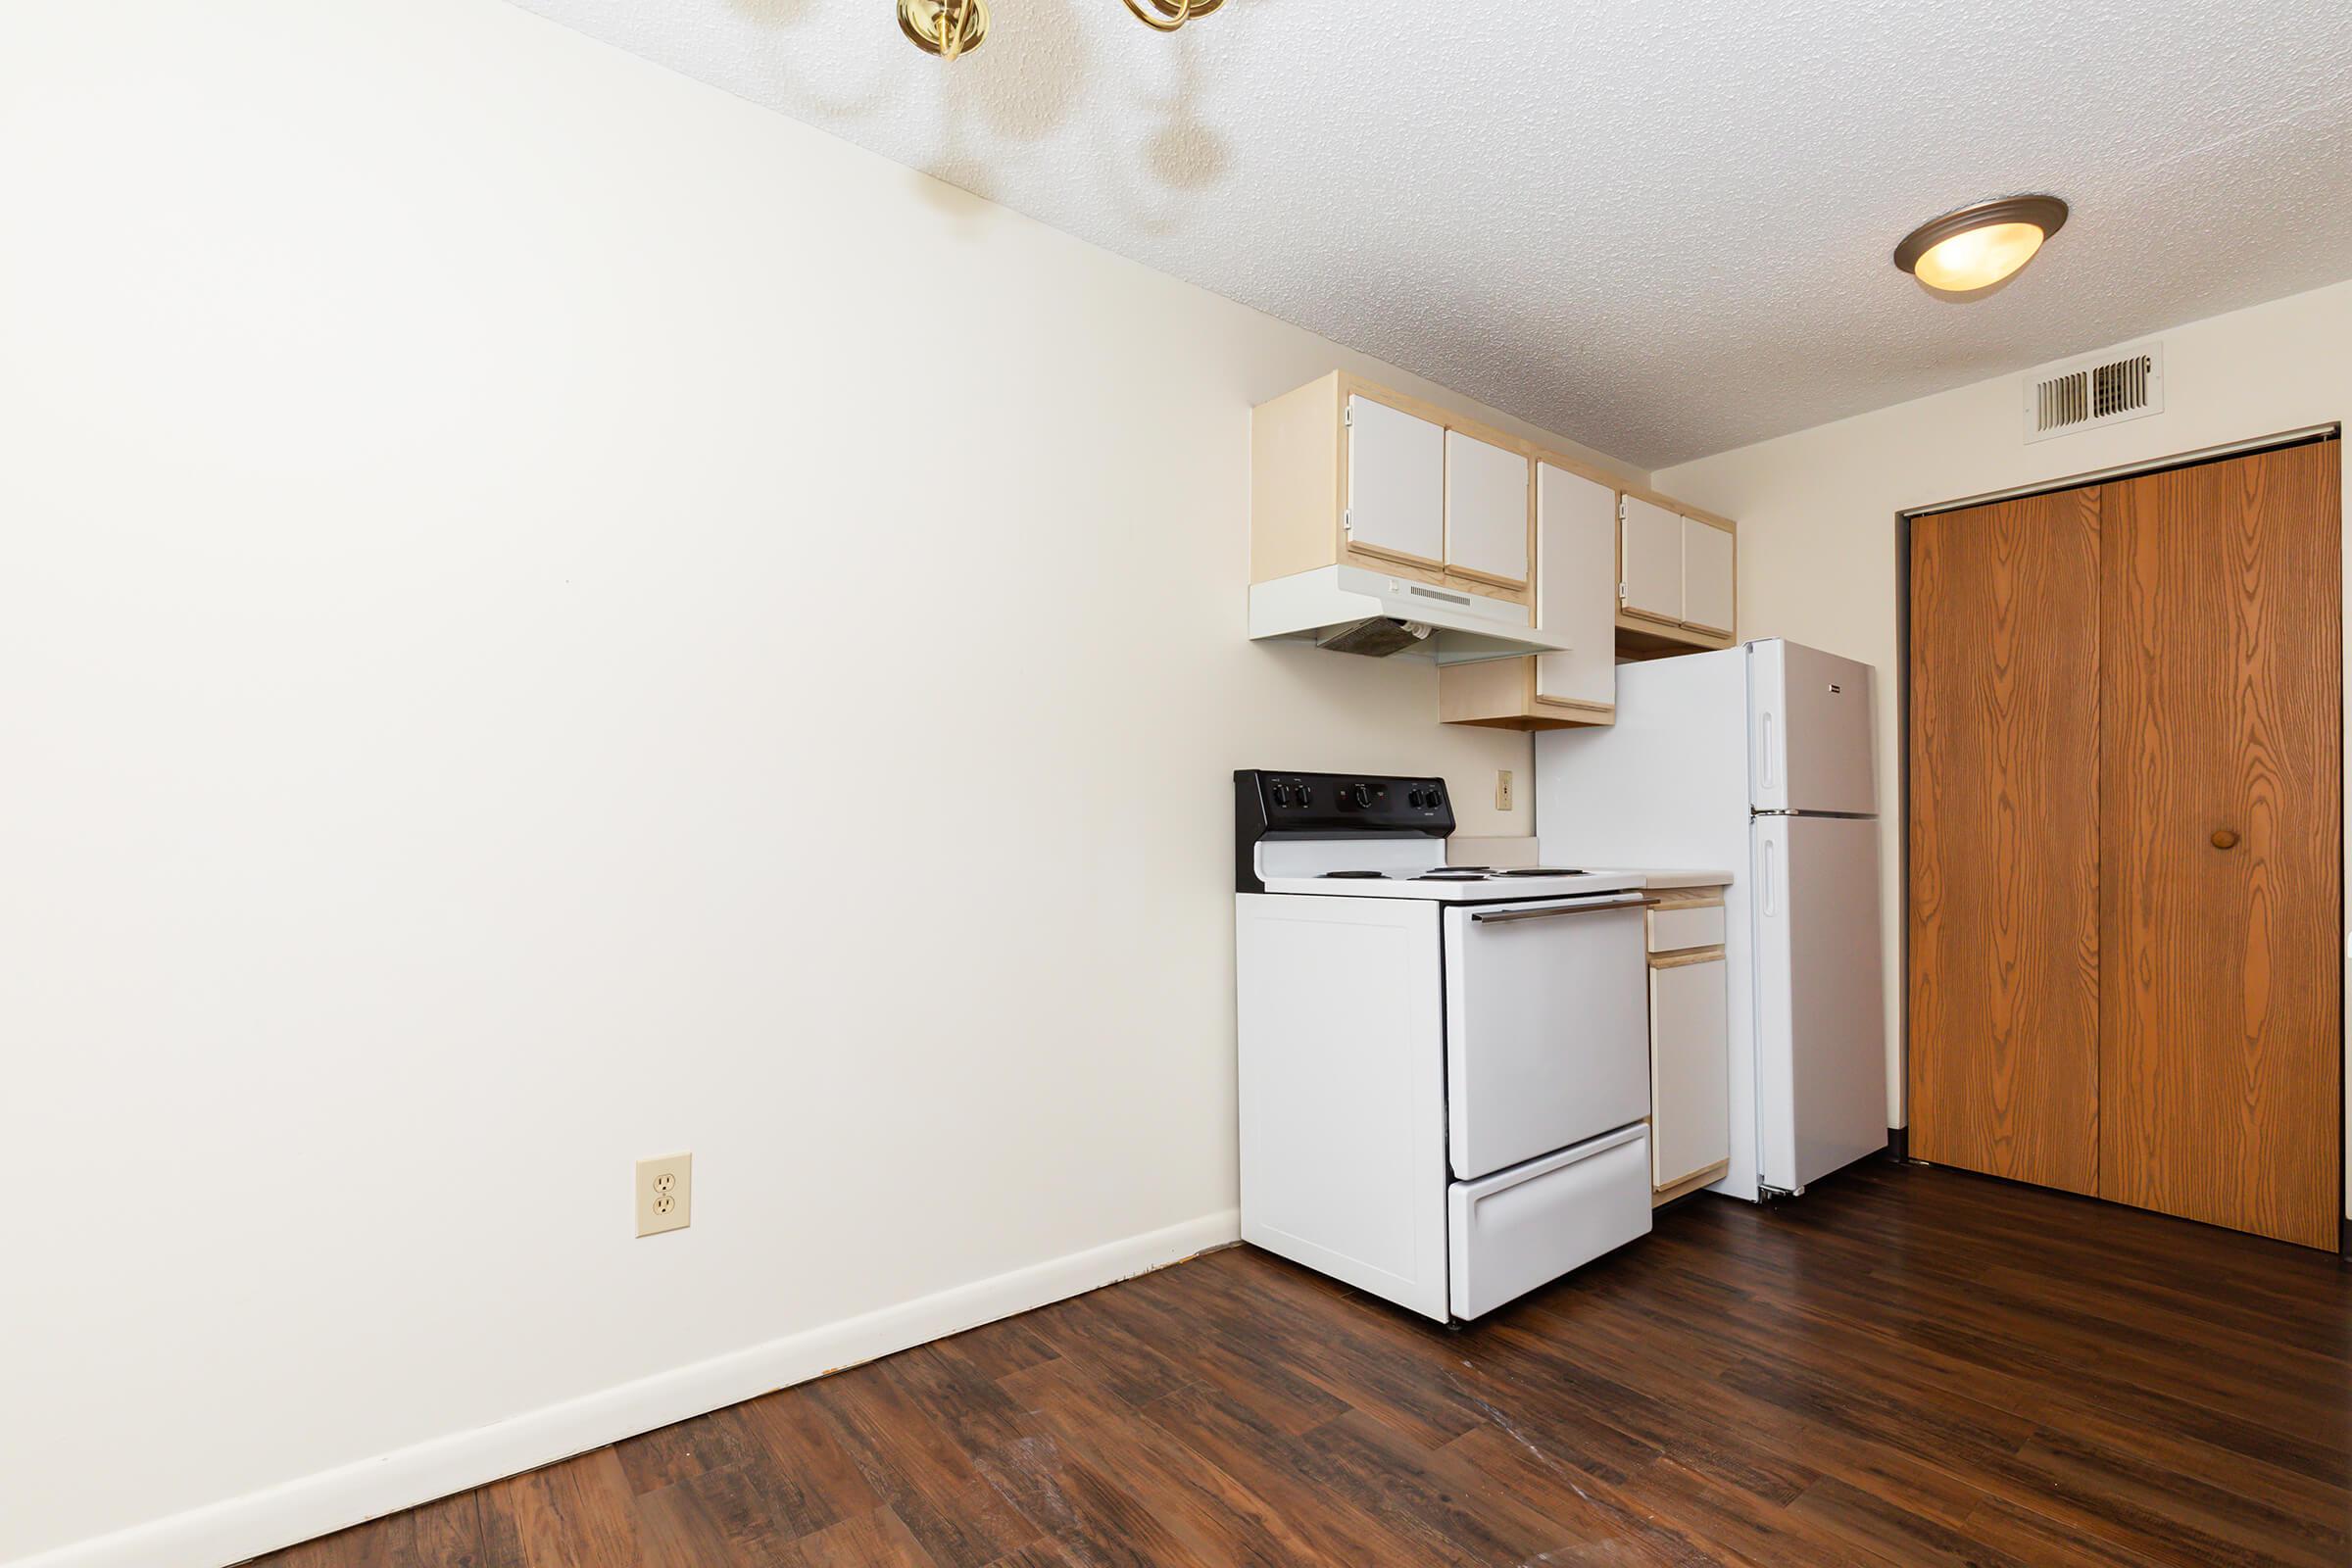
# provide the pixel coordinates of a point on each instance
(1659, 229)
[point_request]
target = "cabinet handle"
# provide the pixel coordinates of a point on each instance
(2224, 839)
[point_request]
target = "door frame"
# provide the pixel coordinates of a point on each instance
(1899, 1139)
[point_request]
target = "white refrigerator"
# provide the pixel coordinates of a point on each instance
(1758, 761)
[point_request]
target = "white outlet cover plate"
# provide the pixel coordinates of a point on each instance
(665, 1194)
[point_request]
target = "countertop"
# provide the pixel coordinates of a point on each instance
(1465, 849)
(1471, 850)
(1671, 879)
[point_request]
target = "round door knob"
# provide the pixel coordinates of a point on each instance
(2224, 839)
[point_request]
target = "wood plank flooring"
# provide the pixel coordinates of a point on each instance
(1906, 1366)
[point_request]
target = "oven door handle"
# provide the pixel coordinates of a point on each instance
(1550, 910)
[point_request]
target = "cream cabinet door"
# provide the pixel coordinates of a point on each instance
(1689, 1069)
(1651, 559)
(1707, 586)
(1395, 484)
(1575, 586)
(1486, 510)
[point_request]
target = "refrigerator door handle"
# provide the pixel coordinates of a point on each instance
(1771, 899)
(1765, 749)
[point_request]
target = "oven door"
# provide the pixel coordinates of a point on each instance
(1546, 1027)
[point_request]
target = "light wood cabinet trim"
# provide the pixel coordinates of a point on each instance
(1645, 637)
(1298, 475)
(1682, 957)
(1500, 694)
(1683, 508)
(1710, 898)
(1682, 1186)
(1489, 579)
(1382, 555)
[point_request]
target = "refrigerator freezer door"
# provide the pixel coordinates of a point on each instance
(1809, 731)
(1820, 1032)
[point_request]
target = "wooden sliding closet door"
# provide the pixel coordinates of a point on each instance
(2222, 994)
(2003, 922)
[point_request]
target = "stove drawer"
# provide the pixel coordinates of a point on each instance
(1520, 1228)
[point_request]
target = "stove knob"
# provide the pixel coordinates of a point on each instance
(1362, 796)
(1306, 795)
(1281, 795)
(1413, 795)
(1433, 797)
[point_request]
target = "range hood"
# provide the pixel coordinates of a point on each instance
(1353, 609)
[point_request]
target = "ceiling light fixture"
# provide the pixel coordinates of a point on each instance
(1968, 252)
(951, 28)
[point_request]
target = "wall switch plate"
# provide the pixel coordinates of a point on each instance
(1503, 789)
(665, 1194)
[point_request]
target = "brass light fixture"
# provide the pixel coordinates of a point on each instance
(951, 28)
(1968, 252)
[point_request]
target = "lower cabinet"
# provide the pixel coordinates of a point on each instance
(1689, 1050)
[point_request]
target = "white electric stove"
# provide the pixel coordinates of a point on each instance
(1444, 1071)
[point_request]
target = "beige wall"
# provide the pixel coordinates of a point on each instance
(1817, 510)
(549, 615)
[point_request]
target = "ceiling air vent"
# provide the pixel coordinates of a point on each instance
(2105, 388)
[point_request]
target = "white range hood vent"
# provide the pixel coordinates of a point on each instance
(1354, 610)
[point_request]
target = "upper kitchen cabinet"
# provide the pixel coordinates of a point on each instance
(1576, 599)
(1574, 556)
(1649, 549)
(1676, 578)
(1618, 575)
(1396, 490)
(1707, 578)
(1381, 525)
(1486, 510)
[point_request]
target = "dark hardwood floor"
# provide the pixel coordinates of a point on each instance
(1906, 1366)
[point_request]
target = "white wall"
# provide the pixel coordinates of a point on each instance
(1817, 510)
(549, 615)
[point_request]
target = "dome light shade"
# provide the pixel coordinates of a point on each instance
(1969, 251)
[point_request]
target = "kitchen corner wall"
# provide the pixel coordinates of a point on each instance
(549, 615)
(1817, 510)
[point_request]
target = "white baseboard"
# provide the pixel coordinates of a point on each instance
(231, 1531)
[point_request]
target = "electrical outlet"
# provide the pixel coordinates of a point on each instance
(1503, 789)
(665, 1194)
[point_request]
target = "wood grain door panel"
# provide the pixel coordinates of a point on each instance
(2222, 998)
(2003, 900)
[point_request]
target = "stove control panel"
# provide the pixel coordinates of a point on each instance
(1272, 805)
(1341, 804)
